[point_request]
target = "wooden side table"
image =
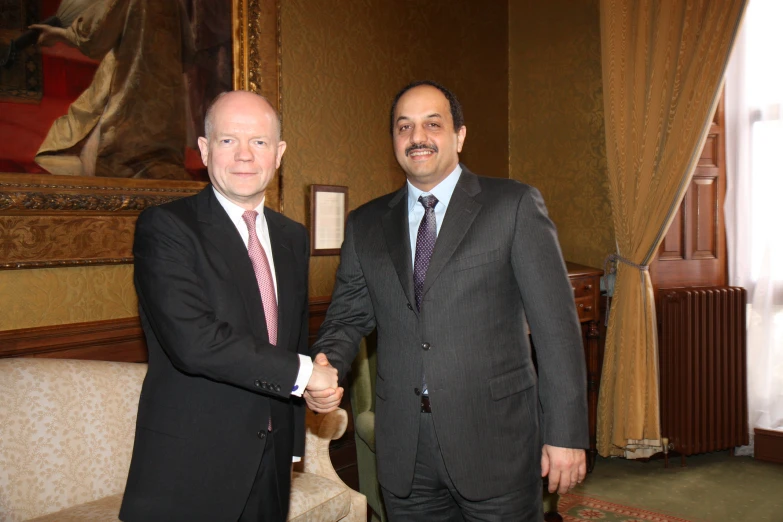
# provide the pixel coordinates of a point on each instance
(586, 282)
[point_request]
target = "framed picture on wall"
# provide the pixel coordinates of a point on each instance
(328, 211)
(57, 219)
(130, 102)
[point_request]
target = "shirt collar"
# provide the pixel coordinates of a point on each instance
(234, 211)
(442, 190)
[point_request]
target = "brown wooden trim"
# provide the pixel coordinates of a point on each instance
(318, 307)
(110, 340)
(768, 445)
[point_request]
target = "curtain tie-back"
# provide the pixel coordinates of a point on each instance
(611, 258)
(614, 258)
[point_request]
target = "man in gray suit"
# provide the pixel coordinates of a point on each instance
(450, 269)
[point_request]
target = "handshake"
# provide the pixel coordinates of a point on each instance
(322, 393)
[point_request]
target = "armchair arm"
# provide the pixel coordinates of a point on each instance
(321, 430)
(365, 428)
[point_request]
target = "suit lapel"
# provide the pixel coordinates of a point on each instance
(463, 209)
(285, 275)
(219, 231)
(398, 243)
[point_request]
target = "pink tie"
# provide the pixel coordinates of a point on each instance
(263, 275)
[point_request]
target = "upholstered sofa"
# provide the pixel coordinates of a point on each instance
(66, 436)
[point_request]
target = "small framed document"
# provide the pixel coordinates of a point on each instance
(328, 211)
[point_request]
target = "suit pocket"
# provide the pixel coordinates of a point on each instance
(512, 382)
(474, 260)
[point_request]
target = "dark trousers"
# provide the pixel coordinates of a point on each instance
(268, 500)
(434, 498)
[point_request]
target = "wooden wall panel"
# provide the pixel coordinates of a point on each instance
(110, 340)
(693, 252)
(673, 246)
(706, 220)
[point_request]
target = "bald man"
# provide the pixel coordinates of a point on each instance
(222, 288)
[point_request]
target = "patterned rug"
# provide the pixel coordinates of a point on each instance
(575, 508)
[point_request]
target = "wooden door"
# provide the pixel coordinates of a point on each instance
(693, 252)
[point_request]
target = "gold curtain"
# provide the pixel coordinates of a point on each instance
(663, 64)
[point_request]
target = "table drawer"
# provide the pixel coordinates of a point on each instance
(585, 308)
(583, 286)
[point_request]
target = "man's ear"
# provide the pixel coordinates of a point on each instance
(461, 137)
(280, 150)
(203, 146)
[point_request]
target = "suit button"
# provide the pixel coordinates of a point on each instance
(417, 391)
(425, 346)
(257, 383)
(261, 434)
(410, 307)
(277, 387)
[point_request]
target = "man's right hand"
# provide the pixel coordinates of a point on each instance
(323, 394)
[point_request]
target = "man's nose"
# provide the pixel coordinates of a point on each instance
(418, 136)
(243, 152)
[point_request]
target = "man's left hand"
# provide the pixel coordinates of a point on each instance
(566, 467)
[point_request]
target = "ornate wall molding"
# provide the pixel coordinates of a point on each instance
(60, 221)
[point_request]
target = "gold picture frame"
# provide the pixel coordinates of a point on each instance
(51, 221)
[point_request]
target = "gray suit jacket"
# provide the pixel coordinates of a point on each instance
(496, 265)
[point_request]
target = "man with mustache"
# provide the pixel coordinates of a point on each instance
(450, 269)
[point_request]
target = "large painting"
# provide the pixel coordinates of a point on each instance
(115, 88)
(84, 170)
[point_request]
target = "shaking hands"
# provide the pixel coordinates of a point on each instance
(323, 393)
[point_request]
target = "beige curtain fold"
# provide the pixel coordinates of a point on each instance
(663, 64)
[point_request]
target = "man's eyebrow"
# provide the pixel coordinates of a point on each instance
(433, 115)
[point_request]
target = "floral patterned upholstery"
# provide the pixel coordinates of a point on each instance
(67, 433)
(66, 438)
(101, 510)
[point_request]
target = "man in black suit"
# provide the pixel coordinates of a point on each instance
(222, 288)
(450, 269)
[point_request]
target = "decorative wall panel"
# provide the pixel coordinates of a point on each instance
(556, 129)
(53, 221)
(47, 296)
(341, 67)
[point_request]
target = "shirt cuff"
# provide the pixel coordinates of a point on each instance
(305, 371)
(296, 459)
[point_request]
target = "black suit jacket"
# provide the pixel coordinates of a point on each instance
(496, 265)
(213, 380)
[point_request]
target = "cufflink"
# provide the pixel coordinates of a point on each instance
(296, 387)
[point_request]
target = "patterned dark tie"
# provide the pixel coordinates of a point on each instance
(425, 244)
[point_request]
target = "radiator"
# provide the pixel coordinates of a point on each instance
(703, 383)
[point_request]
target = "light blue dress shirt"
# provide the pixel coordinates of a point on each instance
(443, 192)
